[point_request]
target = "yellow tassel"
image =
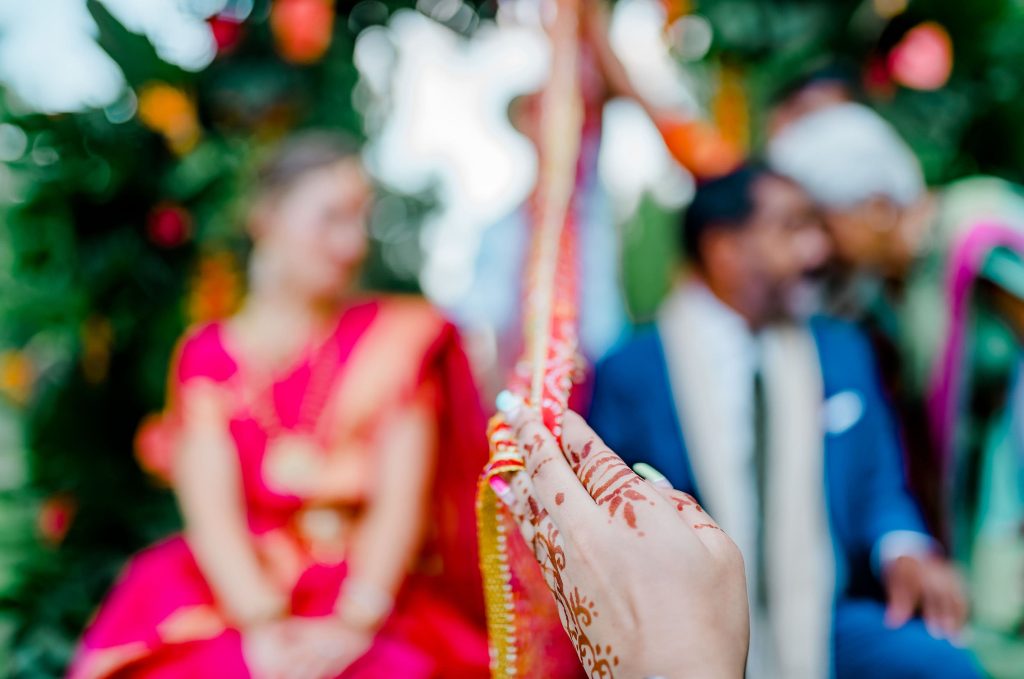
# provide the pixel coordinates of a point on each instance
(493, 520)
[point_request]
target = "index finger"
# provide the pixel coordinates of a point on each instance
(556, 485)
(614, 485)
(601, 471)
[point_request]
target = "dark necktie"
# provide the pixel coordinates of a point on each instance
(761, 486)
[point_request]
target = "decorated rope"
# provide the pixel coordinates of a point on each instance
(544, 376)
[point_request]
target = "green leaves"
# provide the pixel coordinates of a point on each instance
(91, 303)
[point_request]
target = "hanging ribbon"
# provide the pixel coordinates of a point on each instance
(544, 377)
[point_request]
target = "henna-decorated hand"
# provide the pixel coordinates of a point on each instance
(646, 583)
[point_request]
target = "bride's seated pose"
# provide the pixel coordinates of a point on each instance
(301, 438)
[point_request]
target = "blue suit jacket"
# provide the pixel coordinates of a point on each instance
(633, 410)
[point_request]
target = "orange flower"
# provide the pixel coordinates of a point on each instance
(730, 108)
(675, 9)
(700, 147)
(17, 375)
(302, 28)
(97, 337)
(216, 288)
(169, 111)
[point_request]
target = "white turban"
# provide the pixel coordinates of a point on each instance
(845, 154)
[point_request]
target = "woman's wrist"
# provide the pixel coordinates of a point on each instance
(259, 608)
(363, 605)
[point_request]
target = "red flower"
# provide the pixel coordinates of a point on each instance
(227, 32)
(55, 517)
(877, 78)
(169, 225)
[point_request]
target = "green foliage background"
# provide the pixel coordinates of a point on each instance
(972, 125)
(74, 247)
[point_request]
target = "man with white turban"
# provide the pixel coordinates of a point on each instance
(865, 177)
(940, 278)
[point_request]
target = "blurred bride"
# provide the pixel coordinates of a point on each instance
(328, 532)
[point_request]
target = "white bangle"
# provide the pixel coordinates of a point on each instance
(364, 604)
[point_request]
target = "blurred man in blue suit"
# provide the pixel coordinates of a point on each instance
(778, 425)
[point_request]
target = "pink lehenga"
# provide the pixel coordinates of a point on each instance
(162, 620)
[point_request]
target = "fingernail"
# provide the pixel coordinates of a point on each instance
(510, 405)
(651, 474)
(894, 621)
(502, 489)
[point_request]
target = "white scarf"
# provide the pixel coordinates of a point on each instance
(793, 640)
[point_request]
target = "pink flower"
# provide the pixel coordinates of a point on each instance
(923, 59)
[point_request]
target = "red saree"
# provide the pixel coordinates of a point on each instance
(161, 618)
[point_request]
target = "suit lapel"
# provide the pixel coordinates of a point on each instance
(666, 446)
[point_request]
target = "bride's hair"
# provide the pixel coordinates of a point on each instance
(286, 164)
(300, 154)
